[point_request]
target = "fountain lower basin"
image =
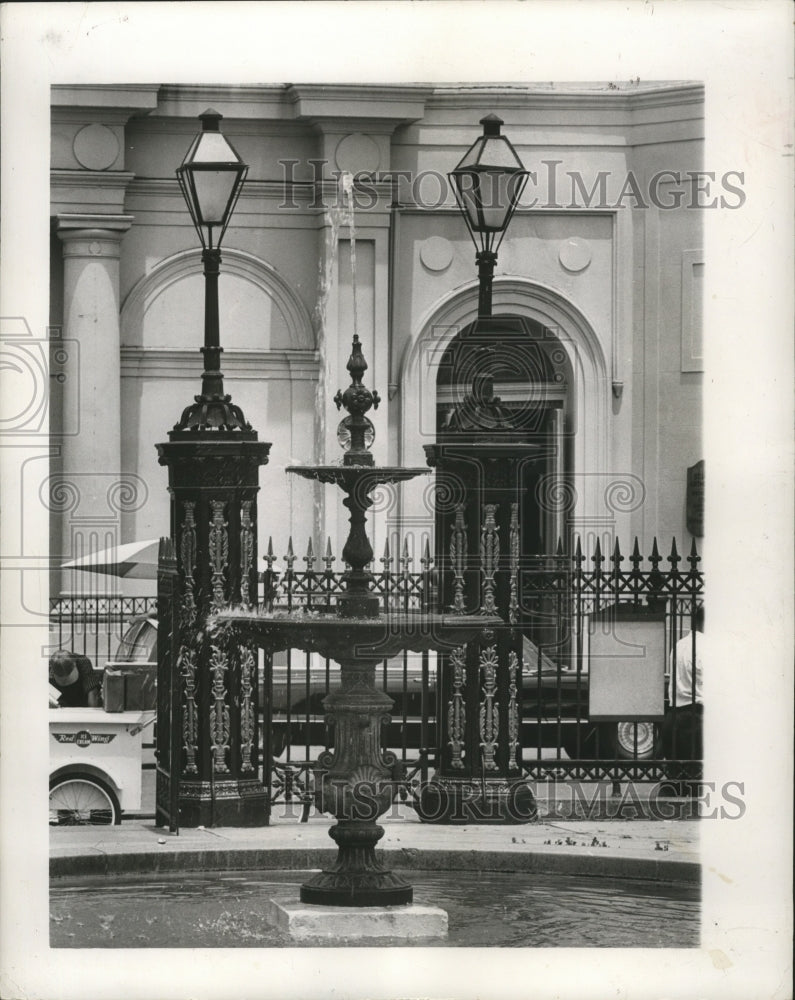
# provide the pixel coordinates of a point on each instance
(357, 781)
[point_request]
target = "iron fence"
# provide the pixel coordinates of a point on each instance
(553, 601)
(93, 626)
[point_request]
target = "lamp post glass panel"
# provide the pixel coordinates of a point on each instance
(488, 183)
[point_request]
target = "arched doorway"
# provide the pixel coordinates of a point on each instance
(585, 411)
(507, 381)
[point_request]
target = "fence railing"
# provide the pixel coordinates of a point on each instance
(93, 626)
(551, 603)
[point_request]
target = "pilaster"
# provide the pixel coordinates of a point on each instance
(90, 475)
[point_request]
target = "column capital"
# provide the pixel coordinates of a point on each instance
(69, 223)
(92, 235)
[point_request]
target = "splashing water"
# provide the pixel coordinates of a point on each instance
(338, 216)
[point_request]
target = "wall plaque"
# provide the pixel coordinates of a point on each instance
(694, 509)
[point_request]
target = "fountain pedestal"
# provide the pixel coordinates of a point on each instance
(357, 786)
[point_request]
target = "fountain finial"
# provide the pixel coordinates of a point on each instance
(356, 432)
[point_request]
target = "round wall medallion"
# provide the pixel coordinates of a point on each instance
(575, 254)
(96, 147)
(436, 253)
(95, 248)
(357, 153)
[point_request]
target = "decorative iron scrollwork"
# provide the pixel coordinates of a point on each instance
(458, 558)
(489, 708)
(513, 601)
(187, 547)
(246, 550)
(219, 552)
(190, 727)
(513, 709)
(489, 557)
(247, 723)
(219, 710)
(456, 709)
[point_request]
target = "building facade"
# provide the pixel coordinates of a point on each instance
(346, 224)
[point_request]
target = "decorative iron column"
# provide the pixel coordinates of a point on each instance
(213, 457)
(479, 771)
(213, 480)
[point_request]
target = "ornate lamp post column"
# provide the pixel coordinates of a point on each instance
(479, 778)
(488, 183)
(213, 458)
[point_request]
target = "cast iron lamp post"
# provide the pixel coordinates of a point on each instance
(488, 183)
(479, 772)
(213, 458)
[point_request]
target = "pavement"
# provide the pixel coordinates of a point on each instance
(618, 842)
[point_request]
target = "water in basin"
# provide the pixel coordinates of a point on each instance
(523, 910)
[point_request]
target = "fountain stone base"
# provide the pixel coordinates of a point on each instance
(304, 922)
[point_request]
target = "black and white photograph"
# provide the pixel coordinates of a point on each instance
(397, 494)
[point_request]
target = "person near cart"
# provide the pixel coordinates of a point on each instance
(683, 727)
(75, 680)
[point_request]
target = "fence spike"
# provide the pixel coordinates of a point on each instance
(290, 557)
(309, 558)
(559, 548)
(386, 559)
(617, 557)
(578, 552)
(597, 558)
(328, 558)
(674, 557)
(426, 554)
(655, 556)
(636, 556)
(694, 558)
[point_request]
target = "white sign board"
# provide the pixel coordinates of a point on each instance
(627, 666)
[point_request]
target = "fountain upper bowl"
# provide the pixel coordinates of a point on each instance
(344, 474)
(348, 638)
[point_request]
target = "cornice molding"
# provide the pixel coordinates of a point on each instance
(235, 123)
(563, 96)
(297, 199)
(187, 364)
(91, 179)
(343, 104)
(80, 104)
(175, 99)
(68, 222)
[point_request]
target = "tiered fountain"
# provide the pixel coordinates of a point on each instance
(357, 780)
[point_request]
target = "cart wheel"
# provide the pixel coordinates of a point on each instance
(637, 740)
(83, 800)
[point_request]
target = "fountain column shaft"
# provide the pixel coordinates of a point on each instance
(357, 786)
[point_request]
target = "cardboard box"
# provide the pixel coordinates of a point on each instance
(140, 682)
(113, 690)
(130, 688)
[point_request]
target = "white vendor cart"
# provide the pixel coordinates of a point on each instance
(95, 764)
